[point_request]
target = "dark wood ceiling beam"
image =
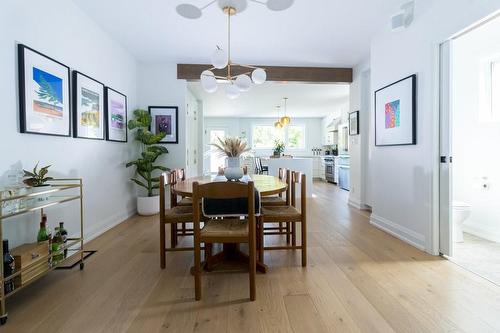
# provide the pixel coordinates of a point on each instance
(191, 72)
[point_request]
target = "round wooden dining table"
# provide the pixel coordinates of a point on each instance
(266, 185)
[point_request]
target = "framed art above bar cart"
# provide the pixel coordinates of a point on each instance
(44, 94)
(88, 107)
(165, 119)
(395, 113)
(116, 115)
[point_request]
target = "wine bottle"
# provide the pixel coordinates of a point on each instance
(42, 233)
(8, 267)
(57, 243)
(64, 235)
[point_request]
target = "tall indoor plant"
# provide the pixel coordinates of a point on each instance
(145, 164)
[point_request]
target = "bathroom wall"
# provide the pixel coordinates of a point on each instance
(475, 138)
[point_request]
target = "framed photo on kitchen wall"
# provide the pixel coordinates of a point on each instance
(88, 107)
(354, 123)
(165, 119)
(44, 94)
(395, 113)
(116, 115)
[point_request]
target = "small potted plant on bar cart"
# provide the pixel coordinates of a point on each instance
(146, 164)
(37, 180)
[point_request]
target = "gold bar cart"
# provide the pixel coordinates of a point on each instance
(55, 195)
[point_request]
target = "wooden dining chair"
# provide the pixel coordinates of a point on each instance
(284, 175)
(287, 214)
(172, 216)
(180, 175)
(235, 203)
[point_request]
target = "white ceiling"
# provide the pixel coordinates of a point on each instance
(304, 100)
(311, 32)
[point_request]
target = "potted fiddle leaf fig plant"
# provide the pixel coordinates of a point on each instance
(37, 180)
(145, 166)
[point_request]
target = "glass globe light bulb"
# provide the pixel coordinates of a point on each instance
(243, 82)
(259, 76)
(208, 81)
(219, 59)
(232, 91)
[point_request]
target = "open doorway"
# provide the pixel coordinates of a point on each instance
(472, 133)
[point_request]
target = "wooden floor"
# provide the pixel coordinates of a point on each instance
(359, 279)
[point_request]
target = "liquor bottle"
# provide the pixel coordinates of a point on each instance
(42, 233)
(57, 243)
(64, 235)
(8, 267)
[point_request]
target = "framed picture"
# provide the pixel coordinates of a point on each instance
(165, 119)
(116, 115)
(354, 123)
(395, 113)
(44, 94)
(88, 107)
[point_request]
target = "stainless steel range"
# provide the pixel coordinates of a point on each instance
(330, 169)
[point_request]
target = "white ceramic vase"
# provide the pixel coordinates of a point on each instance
(148, 205)
(233, 170)
(43, 188)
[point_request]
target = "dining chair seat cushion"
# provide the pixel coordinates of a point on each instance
(281, 214)
(273, 201)
(229, 207)
(185, 202)
(179, 214)
(230, 228)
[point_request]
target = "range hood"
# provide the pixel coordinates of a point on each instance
(333, 125)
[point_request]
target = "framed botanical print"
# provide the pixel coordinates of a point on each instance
(165, 119)
(395, 113)
(116, 115)
(88, 107)
(44, 94)
(354, 123)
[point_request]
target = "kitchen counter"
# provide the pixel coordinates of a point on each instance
(302, 164)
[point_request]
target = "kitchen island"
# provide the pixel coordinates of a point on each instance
(302, 164)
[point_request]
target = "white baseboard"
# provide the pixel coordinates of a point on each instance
(406, 235)
(482, 233)
(107, 224)
(355, 203)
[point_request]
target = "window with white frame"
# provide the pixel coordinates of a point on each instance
(296, 137)
(264, 136)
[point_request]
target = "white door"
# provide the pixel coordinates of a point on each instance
(213, 158)
(445, 173)
(192, 139)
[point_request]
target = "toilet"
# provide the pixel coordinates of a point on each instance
(461, 212)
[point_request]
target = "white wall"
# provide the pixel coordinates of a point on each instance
(475, 141)
(235, 127)
(403, 178)
(60, 30)
(158, 86)
(358, 145)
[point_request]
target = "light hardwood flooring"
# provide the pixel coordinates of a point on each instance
(359, 279)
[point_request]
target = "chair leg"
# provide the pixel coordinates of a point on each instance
(162, 246)
(173, 235)
(261, 239)
(287, 230)
(303, 240)
(183, 228)
(294, 234)
(252, 264)
(197, 270)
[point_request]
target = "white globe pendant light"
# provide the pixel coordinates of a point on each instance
(259, 76)
(188, 11)
(208, 81)
(278, 5)
(243, 82)
(219, 58)
(232, 91)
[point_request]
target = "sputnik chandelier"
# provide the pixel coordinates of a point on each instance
(236, 83)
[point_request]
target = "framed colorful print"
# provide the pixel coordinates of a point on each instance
(88, 107)
(165, 119)
(116, 116)
(354, 123)
(395, 113)
(44, 94)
